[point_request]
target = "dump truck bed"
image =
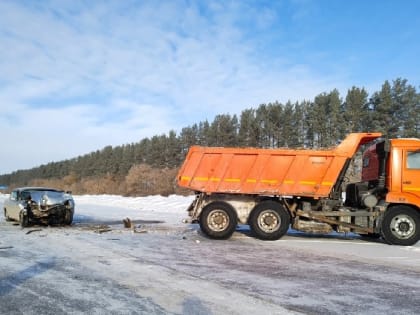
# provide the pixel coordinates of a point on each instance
(280, 172)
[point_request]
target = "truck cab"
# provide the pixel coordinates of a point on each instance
(404, 172)
(394, 166)
(391, 179)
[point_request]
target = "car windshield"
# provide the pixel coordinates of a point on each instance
(47, 196)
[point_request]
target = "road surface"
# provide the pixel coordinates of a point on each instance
(103, 268)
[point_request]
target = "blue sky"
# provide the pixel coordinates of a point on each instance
(79, 75)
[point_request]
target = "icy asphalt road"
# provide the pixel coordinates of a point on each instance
(173, 269)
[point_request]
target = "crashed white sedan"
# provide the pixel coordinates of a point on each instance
(39, 205)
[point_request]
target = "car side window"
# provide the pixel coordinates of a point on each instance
(24, 195)
(413, 160)
(13, 195)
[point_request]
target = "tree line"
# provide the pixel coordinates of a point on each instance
(394, 110)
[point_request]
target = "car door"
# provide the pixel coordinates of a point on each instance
(12, 205)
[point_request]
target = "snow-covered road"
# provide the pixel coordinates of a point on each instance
(171, 268)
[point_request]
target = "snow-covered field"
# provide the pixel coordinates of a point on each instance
(170, 268)
(170, 209)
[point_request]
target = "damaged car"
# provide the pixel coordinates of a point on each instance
(29, 205)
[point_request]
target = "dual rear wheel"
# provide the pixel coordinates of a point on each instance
(269, 220)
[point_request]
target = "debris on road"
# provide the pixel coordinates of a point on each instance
(99, 228)
(127, 223)
(34, 230)
(103, 229)
(139, 231)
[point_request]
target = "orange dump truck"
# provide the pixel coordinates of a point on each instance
(271, 189)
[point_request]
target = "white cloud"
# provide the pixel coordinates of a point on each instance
(50, 134)
(83, 76)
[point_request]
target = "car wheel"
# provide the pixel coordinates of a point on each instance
(401, 226)
(218, 220)
(269, 220)
(68, 217)
(24, 219)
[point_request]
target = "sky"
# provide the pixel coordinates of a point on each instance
(76, 76)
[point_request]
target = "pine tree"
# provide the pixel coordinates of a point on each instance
(412, 118)
(335, 121)
(382, 113)
(261, 123)
(204, 133)
(317, 121)
(172, 151)
(274, 125)
(406, 113)
(299, 121)
(188, 137)
(355, 110)
(223, 130)
(287, 126)
(248, 131)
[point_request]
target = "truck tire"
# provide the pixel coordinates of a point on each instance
(401, 226)
(269, 220)
(218, 220)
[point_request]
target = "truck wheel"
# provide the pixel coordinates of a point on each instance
(218, 220)
(401, 226)
(269, 220)
(24, 220)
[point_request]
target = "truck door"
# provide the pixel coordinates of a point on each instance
(411, 172)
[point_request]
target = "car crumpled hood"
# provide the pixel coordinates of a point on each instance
(49, 197)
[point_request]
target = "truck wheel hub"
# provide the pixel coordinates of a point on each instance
(269, 221)
(218, 220)
(402, 226)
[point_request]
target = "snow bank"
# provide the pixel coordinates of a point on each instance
(171, 209)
